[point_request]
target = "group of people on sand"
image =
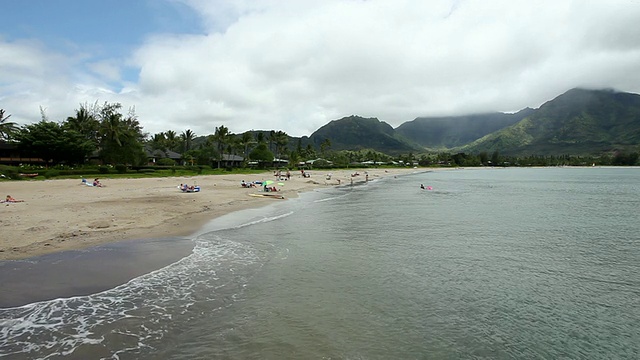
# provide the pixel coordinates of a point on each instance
(245, 184)
(267, 188)
(265, 185)
(280, 176)
(11, 199)
(185, 187)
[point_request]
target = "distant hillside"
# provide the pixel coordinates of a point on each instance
(355, 133)
(577, 122)
(454, 131)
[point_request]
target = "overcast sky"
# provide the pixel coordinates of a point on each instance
(294, 65)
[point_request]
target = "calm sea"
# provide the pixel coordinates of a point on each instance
(489, 264)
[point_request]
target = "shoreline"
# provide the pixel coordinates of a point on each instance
(61, 215)
(72, 273)
(81, 266)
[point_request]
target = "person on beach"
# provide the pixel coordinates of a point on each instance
(10, 199)
(96, 182)
(422, 186)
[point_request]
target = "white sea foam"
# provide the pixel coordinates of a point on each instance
(143, 308)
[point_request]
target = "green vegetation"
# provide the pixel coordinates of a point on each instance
(357, 133)
(7, 128)
(453, 131)
(578, 122)
(112, 172)
(580, 127)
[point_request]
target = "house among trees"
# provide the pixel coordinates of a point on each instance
(154, 155)
(231, 161)
(11, 155)
(280, 162)
(318, 162)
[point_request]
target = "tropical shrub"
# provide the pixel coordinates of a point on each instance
(121, 168)
(165, 162)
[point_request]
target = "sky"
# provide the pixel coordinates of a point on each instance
(295, 65)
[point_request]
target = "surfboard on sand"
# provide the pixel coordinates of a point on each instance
(274, 196)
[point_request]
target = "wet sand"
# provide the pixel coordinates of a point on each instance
(87, 271)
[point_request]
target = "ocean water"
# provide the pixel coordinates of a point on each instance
(489, 264)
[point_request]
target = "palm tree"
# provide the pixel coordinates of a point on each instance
(84, 122)
(234, 144)
(271, 137)
(172, 140)
(326, 143)
(6, 127)
(187, 137)
(111, 127)
(158, 142)
(246, 140)
(281, 140)
(220, 136)
(309, 152)
(121, 138)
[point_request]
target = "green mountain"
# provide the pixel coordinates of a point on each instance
(356, 133)
(578, 122)
(453, 131)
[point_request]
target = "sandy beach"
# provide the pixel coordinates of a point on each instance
(59, 215)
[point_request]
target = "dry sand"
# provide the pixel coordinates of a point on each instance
(59, 215)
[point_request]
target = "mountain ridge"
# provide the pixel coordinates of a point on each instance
(579, 121)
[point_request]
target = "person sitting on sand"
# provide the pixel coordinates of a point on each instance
(10, 199)
(96, 182)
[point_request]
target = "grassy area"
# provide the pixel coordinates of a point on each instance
(13, 173)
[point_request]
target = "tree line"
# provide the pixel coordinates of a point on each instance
(103, 133)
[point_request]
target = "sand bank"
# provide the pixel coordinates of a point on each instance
(59, 215)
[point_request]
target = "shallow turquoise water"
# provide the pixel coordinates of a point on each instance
(491, 263)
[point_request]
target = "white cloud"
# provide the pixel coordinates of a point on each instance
(294, 66)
